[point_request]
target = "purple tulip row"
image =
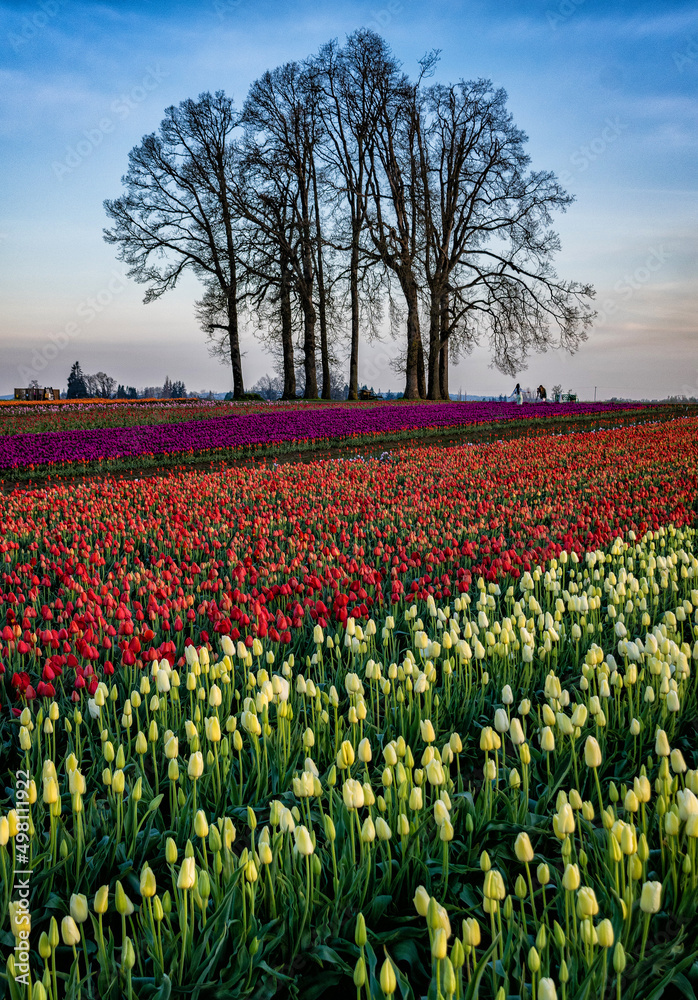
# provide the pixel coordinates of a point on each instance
(331, 423)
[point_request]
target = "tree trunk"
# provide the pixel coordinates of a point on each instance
(421, 380)
(435, 312)
(444, 334)
(234, 342)
(324, 349)
(309, 347)
(414, 344)
(443, 372)
(287, 336)
(354, 292)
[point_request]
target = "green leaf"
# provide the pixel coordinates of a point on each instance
(323, 953)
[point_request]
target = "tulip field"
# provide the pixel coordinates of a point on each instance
(78, 437)
(414, 727)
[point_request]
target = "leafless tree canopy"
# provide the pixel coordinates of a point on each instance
(345, 189)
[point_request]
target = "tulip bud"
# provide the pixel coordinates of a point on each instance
(201, 824)
(383, 831)
(587, 905)
(427, 731)
(449, 978)
(123, 904)
(605, 934)
(671, 826)
(128, 954)
(592, 752)
(546, 989)
(651, 897)
(79, 910)
(44, 946)
(101, 901)
(304, 843)
(148, 885)
(388, 980)
(70, 932)
(368, 831)
(195, 767)
(523, 848)
(558, 935)
(360, 936)
(618, 958)
(571, 878)
(187, 874)
(421, 900)
(170, 851)
(439, 944)
(360, 973)
(53, 936)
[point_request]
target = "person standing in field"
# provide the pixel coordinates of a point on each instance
(518, 395)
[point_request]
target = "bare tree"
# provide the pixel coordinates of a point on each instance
(175, 214)
(392, 216)
(350, 105)
(487, 237)
(265, 200)
(100, 385)
(281, 121)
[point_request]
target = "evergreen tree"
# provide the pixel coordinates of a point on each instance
(76, 383)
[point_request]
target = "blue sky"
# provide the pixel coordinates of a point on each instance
(605, 91)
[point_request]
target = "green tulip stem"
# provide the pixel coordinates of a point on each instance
(155, 768)
(183, 927)
(530, 889)
(87, 960)
(645, 932)
(494, 960)
(598, 790)
(54, 978)
(76, 960)
(218, 771)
